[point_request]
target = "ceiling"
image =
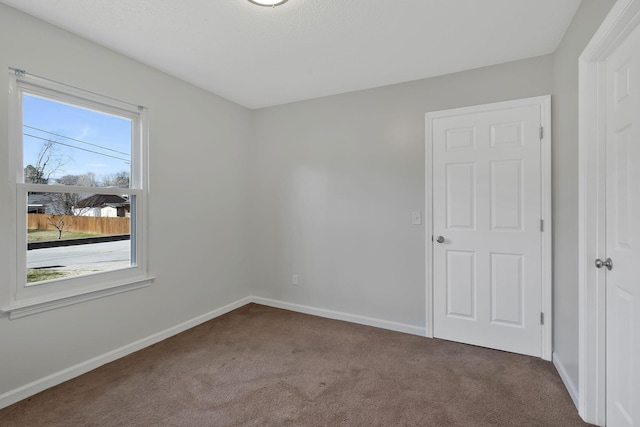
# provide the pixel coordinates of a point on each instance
(262, 56)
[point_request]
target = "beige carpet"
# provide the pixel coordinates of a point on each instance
(260, 366)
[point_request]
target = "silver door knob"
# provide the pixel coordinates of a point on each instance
(607, 263)
(440, 239)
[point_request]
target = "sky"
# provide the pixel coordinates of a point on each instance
(76, 130)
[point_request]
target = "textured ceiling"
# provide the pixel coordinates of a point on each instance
(261, 56)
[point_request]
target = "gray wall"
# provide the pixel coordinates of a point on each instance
(322, 188)
(334, 181)
(198, 170)
(565, 177)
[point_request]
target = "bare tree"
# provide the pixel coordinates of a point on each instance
(50, 160)
(64, 203)
(118, 179)
(64, 206)
(85, 180)
(60, 222)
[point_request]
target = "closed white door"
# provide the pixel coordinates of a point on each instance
(623, 234)
(487, 212)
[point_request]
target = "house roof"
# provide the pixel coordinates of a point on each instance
(38, 199)
(102, 200)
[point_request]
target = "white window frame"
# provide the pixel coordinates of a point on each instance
(23, 300)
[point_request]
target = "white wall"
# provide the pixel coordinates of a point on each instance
(565, 177)
(198, 152)
(334, 181)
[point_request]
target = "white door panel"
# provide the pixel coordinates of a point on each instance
(487, 276)
(623, 234)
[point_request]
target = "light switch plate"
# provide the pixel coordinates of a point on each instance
(416, 218)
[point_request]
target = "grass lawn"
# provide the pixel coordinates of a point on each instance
(34, 235)
(34, 275)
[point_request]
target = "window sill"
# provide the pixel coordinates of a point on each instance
(19, 309)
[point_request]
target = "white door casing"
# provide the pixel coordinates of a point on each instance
(609, 182)
(488, 188)
(622, 282)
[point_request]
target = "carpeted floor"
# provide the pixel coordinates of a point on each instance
(260, 366)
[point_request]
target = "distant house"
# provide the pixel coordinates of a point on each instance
(37, 203)
(104, 205)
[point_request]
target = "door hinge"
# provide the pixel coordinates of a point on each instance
(542, 318)
(541, 132)
(542, 225)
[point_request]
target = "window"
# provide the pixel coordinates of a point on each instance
(80, 182)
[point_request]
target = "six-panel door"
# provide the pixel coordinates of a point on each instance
(623, 234)
(487, 206)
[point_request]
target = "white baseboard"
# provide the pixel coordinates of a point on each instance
(16, 395)
(353, 318)
(571, 387)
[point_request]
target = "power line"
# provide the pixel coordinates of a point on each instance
(77, 140)
(78, 148)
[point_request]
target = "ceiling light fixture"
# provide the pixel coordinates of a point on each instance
(270, 3)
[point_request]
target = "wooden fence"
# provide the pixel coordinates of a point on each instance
(82, 224)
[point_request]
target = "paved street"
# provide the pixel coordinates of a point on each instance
(82, 258)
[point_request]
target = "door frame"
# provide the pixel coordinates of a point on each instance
(621, 20)
(544, 102)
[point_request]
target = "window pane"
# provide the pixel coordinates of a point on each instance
(71, 234)
(70, 145)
